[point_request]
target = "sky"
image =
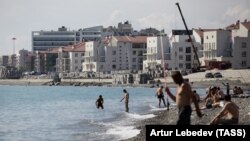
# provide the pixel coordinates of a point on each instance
(18, 18)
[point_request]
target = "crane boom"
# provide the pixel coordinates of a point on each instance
(194, 49)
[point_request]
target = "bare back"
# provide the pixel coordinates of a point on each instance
(232, 110)
(184, 95)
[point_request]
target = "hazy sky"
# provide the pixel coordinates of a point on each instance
(20, 17)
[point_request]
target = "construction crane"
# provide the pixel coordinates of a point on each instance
(190, 39)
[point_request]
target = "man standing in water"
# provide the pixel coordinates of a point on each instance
(160, 95)
(183, 98)
(126, 97)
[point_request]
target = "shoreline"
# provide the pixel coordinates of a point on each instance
(108, 83)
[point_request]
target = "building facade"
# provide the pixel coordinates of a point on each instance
(44, 40)
(241, 45)
(182, 53)
(158, 47)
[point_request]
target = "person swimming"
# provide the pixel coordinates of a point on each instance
(99, 102)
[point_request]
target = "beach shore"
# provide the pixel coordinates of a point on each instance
(169, 117)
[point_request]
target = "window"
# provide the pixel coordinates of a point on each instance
(180, 65)
(180, 49)
(188, 57)
(244, 44)
(113, 52)
(113, 66)
(76, 54)
(134, 66)
(188, 66)
(244, 54)
(181, 57)
(76, 61)
(188, 50)
(243, 63)
(134, 52)
(133, 59)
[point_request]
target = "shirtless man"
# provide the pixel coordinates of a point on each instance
(230, 110)
(126, 97)
(183, 98)
(160, 95)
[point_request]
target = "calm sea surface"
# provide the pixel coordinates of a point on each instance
(43, 113)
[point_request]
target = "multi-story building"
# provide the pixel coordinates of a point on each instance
(44, 40)
(158, 53)
(125, 28)
(70, 58)
(25, 60)
(240, 44)
(4, 60)
(125, 53)
(94, 57)
(217, 45)
(182, 53)
(45, 61)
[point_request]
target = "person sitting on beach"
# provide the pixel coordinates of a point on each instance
(220, 93)
(160, 95)
(183, 98)
(230, 111)
(235, 90)
(99, 102)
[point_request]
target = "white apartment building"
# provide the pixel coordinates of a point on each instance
(158, 47)
(94, 57)
(217, 45)
(241, 45)
(44, 40)
(182, 53)
(125, 53)
(70, 58)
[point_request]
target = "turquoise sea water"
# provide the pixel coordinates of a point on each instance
(43, 113)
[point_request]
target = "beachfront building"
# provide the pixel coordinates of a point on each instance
(240, 44)
(45, 61)
(125, 53)
(44, 40)
(182, 53)
(25, 60)
(94, 57)
(217, 46)
(70, 58)
(154, 56)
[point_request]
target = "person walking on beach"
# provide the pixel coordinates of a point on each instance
(99, 102)
(230, 110)
(183, 98)
(160, 95)
(126, 99)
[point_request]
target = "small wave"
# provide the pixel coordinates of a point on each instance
(137, 116)
(124, 132)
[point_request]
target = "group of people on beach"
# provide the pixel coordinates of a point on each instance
(185, 96)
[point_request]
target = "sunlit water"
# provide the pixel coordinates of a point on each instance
(43, 113)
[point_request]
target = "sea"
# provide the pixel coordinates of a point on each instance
(69, 113)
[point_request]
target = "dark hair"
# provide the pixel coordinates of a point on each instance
(177, 77)
(161, 86)
(124, 90)
(194, 91)
(227, 97)
(100, 95)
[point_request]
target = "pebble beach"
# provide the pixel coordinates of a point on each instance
(169, 117)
